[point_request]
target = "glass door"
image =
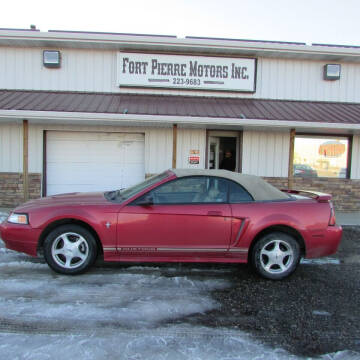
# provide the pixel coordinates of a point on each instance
(214, 144)
(223, 151)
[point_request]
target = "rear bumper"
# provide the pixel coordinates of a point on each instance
(326, 244)
(22, 238)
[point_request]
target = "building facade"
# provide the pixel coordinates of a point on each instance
(95, 111)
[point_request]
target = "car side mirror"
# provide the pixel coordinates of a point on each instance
(147, 200)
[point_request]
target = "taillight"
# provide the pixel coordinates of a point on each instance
(332, 220)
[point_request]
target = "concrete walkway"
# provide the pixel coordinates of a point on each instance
(348, 218)
(342, 218)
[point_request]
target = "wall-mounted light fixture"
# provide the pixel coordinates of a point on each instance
(332, 71)
(51, 58)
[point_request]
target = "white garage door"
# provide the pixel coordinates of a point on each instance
(87, 161)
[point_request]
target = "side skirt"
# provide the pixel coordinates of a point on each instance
(153, 256)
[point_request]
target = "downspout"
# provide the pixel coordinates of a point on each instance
(26, 160)
(174, 146)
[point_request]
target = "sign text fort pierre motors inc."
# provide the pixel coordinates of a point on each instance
(189, 72)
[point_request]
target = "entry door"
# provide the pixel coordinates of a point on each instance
(188, 216)
(219, 144)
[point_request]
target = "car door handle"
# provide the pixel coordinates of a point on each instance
(215, 213)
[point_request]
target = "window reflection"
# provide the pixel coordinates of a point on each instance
(196, 189)
(320, 156)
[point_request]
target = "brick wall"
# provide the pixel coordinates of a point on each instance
(345, 192)
(11, 188)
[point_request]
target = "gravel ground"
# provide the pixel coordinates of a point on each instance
(315, 311)
(181, 311)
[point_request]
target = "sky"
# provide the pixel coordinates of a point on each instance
(309, 21)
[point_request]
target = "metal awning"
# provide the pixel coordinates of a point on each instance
(181, 106)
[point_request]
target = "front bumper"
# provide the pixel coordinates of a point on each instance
(22, 238)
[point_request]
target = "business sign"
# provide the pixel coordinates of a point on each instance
(332, 149)
(194, 160)
(194, 157)
(186, 72)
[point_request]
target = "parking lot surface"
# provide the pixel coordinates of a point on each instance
(181, 311)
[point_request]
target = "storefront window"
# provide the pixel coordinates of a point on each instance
(321, 156)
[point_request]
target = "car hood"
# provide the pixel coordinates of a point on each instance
(91, 198)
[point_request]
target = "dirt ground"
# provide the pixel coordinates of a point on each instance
(315, 311)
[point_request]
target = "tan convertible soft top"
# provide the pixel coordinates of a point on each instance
(256, 186)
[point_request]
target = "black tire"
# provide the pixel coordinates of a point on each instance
(275, 256)
(70, 249)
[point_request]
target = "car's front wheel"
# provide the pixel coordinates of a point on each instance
(70, 249)
(275, 255)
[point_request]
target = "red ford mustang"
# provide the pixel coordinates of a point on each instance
(179, 215)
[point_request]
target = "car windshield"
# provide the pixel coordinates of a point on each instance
(125, 194)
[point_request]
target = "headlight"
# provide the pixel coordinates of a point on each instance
(18, 219)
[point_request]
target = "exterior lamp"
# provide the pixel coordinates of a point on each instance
(51, 58)
(332, 71)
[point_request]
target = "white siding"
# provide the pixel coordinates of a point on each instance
(190, 139)
(355, 158)
(95, 70)
(158, 150)
(11, 145)
(265, 153)
(35, 149)
(303, 80)
(81, 70)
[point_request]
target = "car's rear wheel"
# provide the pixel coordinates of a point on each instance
(70, 249)
(276, 255)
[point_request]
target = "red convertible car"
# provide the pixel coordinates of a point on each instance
(179, 215)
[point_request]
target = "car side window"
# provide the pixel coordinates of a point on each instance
(190, 190)
(237, 194)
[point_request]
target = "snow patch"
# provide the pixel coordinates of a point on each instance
(127, 300)
(172, 343)
(320, 261)
(342, 355)
(321, 313)
(23, 265)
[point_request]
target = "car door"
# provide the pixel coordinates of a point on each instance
(185, 217)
